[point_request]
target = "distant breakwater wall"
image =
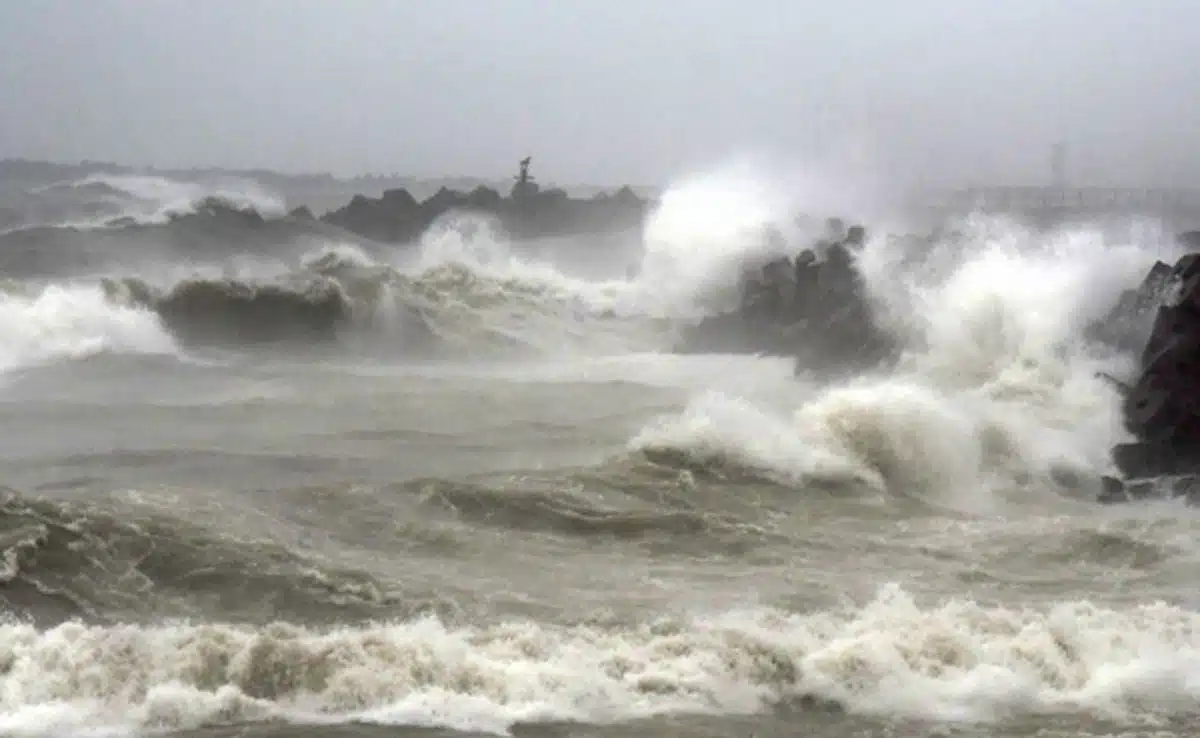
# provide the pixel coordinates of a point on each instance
(528, 211)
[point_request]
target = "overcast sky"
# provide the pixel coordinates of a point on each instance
(609, 91)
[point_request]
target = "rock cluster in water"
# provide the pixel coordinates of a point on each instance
(528, 212)
(1162, 406)
(813, 307)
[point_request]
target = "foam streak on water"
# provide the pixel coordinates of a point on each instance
(538, 513)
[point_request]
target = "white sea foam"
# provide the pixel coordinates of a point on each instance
(950, 661)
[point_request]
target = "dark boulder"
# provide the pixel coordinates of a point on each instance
(371, 219)
(398, 200)
(1128, 324)
(814, 309)
(444, 200)
(1161, 407)
(483, 198)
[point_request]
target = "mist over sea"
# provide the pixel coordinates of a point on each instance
(489, 497)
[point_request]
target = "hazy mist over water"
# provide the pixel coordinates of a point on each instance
(931, 91)
(479, 490)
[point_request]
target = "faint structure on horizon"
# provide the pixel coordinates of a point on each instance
(1058, 165)
(1144, 200)
(525, 186)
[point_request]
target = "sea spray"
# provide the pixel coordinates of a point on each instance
(997, 394)
(40, 325)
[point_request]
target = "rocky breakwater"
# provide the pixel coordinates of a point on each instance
(812, 307)
(1162, 405)
(528, 212)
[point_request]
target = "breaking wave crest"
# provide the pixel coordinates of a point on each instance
(990, 307)
(996, 398)
(56, 322)
(336, 296)
(994, 404)
(955, 661)
(114, 200)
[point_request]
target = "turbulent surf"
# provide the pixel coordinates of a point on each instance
(265, 473)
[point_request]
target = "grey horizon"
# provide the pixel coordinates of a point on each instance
(929, 93)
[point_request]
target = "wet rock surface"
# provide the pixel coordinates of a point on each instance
(812, 306)
(1161, 406)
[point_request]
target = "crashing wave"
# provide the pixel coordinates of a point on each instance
(211, 231)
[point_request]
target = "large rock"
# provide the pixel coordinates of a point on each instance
(1162, 406)
(812, 307)
(1127, 325)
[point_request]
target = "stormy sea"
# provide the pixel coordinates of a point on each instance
(262, 477)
